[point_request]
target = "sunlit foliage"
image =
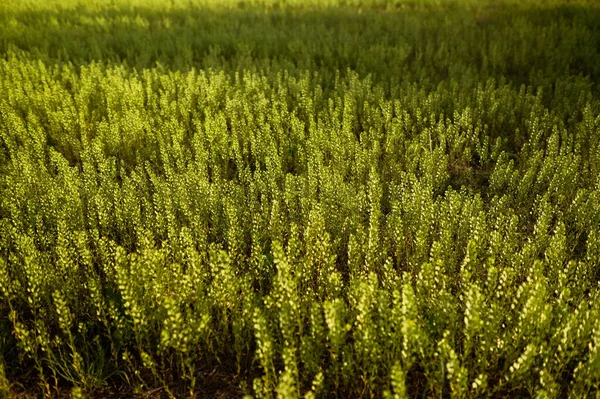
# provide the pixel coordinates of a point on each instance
(304, 198)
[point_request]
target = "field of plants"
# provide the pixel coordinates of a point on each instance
(300, 198)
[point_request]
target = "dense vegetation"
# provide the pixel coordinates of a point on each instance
(358, 198)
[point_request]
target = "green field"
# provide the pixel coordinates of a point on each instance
(300, 198)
